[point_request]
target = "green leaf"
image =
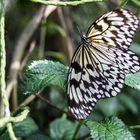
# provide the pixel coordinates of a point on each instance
(110, 129)
(62, 129)
(43, 73)
(22, 129)
(38, 137)
(25, 128)
(133, 80)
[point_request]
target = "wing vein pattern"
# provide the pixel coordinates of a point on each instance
(99, 64)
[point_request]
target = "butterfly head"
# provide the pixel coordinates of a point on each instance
(84, 38)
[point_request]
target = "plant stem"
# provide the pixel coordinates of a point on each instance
(137, 2)
(50, 104)
(11, 132)
(134, 127)
(77, 130)
(2, 61)
(19, 118)
(64, 3)
(122, 4)
(4, 99)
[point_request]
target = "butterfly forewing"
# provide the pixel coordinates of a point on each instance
(100, 63)
(115, 29)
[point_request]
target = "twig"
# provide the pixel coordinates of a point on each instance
(19, 118)
(134, 127)
(64, 3)
(50, 104)
(32, 46)
(14, 103)
(42, 40)
(77, 129)
(3, 98)
(26, 101)
(43, 12)
(66, 24)
(20, 47)
(11, 132)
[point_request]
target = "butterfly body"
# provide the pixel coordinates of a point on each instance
(99, 64)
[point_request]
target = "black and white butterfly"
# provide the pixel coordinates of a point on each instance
(99, 64)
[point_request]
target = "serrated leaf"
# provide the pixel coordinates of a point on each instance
(110, 129)
(43, 73)
(22, 129)
(62, 129)
(133, 80)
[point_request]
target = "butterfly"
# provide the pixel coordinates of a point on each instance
(99, 64)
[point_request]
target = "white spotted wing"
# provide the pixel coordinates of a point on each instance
(99, 64)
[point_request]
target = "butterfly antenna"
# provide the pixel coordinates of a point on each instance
(78, 29)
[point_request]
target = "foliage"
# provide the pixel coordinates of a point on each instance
(109, 129)
(43, 73)
(22, 129)
(133, 80)
(42, 83)
(46, 68)
(62, 129)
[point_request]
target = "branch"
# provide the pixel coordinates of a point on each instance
(4, 99)
(64, 3)
(43, 12)
(50, 104)
(77, 129)
(20, 47)
(4, 121)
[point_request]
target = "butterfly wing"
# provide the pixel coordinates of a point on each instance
(114, 29)
(99, 65)
(79, 95)
(113, 64)
(92, 75)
